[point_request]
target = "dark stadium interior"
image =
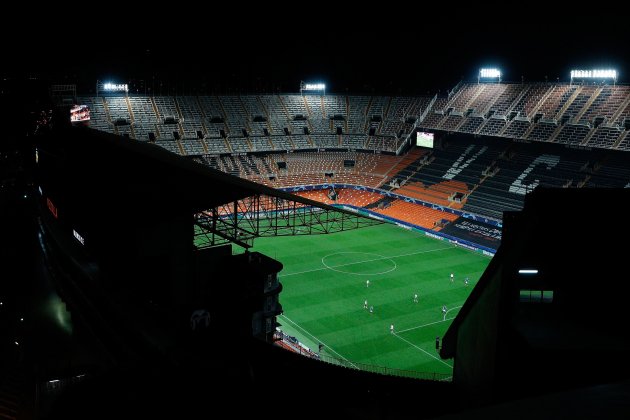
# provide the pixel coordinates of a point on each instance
(103, 331)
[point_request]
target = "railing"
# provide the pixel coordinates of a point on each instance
(404, 142)
(322, 356)
(426, 111)
(467, 215)
(455, 89)
(427, 376)
(416, 125)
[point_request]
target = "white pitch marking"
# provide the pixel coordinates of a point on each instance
(422, 350)
(425, 325)
(319, 341)
(374, 259)
(455, 307)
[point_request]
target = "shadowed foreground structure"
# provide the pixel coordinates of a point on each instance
(550, 312)
(158, 367)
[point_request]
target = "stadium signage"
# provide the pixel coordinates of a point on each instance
(431, 235)
(114, 87)
(404, 226)
(78, 237)
(479, 229)
(463, 245)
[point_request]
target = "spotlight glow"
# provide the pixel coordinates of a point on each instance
(116, 87)
(490, 73)
(594, 74)
(314, 86)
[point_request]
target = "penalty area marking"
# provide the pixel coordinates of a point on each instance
(430, 323)
(422, 326)
(317, 340)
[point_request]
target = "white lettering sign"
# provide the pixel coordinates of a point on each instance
(518, 187)
(458, 166)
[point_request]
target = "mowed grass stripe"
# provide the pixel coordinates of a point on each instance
(329, 304)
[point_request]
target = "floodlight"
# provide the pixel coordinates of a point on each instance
(594, 74)
(490, 73)
(116, 87)
(314, 86)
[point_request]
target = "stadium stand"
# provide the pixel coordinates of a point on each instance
(550, 112)
(559, 112)
(291, 140)
(262, 123)
(418, 215)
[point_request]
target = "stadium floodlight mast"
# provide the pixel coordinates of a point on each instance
(488, 73)
(594, 74)
(313, 87)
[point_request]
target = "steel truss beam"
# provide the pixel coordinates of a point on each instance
(260, 215)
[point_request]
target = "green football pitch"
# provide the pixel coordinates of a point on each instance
(325, 287)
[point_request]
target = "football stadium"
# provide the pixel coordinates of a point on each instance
(484, 146)
(319, 251)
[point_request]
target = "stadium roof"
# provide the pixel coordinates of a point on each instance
(96, 174)
(88, 152)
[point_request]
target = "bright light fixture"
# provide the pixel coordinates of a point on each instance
(314, 86)
(116, 87)
(490, 73)
(594, 74)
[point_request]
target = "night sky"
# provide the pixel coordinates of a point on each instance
(397, 50)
